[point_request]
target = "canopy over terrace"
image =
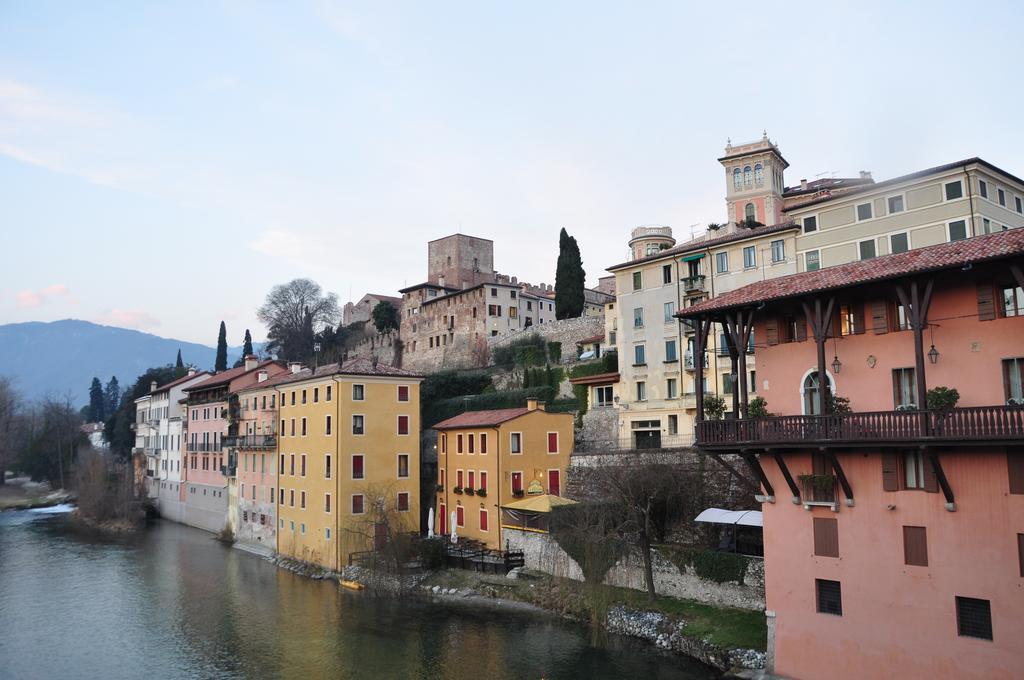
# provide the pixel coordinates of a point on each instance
(531, 514)
(746, 518)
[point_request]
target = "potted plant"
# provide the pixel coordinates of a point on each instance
(942, 398)
(457, 489)
(481, 492)
(439, 488)
(714, 407)
(758, 408)
(468, 490)
(822, 487)
(517, 493)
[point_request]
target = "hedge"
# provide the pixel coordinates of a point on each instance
(442, 409)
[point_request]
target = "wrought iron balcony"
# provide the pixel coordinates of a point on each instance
(975, 424)
(202, 447)
(252, 441)
(689, 363)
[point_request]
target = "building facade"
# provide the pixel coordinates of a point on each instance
(488, 458)
(165, 416)
(253, 461)
(348, 460)
(896, 499)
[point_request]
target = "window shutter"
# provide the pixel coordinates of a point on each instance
(880, 316)
(826, 537)
(931, 482)
(915, 546)
(1020, 552)
(986, 303)
(858, 317)
(1015, 468)
(801, 329)
(771, 331)
(890, 472)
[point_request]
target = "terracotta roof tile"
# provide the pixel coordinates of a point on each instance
(481, 418)
(942, 256)
(178, 381)
(358, 366)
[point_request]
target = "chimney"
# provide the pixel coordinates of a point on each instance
(440, 281)
(261, 376)
(294, 366)
(534, 404)
(152, 386)
(251, 362)
(803, 184)
(866, 174)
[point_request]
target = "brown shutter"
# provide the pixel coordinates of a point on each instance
(890, 472)
(826, 537)
(1015, 468)
(801, 329)
(986, 302)
(771, 331)
(931, 482)
(1020, 552)
(915, 546)
(857, 308)
(880, 316)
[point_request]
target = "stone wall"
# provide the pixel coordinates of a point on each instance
(542, 552)
(383, 348)
(566, 331)
(599, 424)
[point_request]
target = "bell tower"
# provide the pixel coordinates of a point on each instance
(754, 181)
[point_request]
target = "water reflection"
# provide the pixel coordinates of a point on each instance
(174, 603)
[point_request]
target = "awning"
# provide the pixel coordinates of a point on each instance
(747, 518)
(589, 354)
(691, 258)
(542, 503)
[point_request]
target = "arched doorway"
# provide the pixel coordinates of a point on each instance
(811, 391)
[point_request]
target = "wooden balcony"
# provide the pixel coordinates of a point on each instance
(978, 425)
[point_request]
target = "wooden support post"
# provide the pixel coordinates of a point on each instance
(1018, 274)
(916, 303)
(819, 320)
(701, 330)
(940, 476)
(794, 489)
(840, 475)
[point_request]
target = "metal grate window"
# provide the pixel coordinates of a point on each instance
(830, 597)
(974, 618)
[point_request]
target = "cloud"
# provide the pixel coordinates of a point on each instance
(30, 299)
(128, 318)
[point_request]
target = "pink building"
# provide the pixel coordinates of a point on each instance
(894, 533)
(212, 416)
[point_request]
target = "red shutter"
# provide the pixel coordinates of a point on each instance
(403, 424)
(552, 442)
(403, 393)
(458, 479)
(403, 502)
(357, 467)
(986, 302)
(517, 481)
(443, 520)
(483, 442)
(460, 516)
(554, 483)
(472, 475)
(826, 537)
(771, 331)
(890, 472)
(483, 520)
(880, 316)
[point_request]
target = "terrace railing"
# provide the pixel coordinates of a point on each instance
(971, 424)
(252, 441)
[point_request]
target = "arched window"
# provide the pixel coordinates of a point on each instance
(737, 182)
(812, 393)
(758, 174)
(749, 213)
(747, 177)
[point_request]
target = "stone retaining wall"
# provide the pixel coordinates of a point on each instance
(566, 331)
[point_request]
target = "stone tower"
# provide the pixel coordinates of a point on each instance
(650, 240)
(460, 261)
(754, 182)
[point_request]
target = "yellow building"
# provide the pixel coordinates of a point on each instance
(348, 460)
(505, 454)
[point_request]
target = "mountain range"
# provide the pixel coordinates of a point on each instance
(61, 358)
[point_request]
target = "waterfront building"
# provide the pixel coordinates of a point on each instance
(164, 458)
(252, 462)
(902, 551)
(347, 460)
(487, 458)
(212, 409)
(144, 442)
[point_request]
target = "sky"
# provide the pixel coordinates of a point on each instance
(163, 165)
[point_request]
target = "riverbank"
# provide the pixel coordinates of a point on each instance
(21, 493)
(724, 638)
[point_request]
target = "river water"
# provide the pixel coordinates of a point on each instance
(173, 603)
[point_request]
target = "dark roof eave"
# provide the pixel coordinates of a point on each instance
(684, 249)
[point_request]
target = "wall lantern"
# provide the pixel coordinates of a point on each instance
(837, 365)
(933, 355)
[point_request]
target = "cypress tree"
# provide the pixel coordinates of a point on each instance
(179, 366)
(112, 395)
(97, 409)
(247, 344)
(569, 278)
(221, 362)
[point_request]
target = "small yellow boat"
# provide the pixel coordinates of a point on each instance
(352, 585)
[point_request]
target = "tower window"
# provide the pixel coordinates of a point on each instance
(759, 174)
(737, 181)
(749, 213)
(747, 177)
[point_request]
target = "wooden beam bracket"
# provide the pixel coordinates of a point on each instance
(784, 469)
(940, 476)
(755, 466)
(841, 476)
(735, 473)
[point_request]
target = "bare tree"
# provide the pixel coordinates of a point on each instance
(8, 404)
(386, 533)
(293, 313)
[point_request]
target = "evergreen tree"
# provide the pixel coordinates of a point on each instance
(221, 362)
(97, 402)
(247, 344)
(385, 317)
(569, 278)
(112, 395)
(179, 367)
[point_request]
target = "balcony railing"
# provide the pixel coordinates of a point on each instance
(971, 424)
(646, 441)
(252, 441)
(688, 361)
(693, 284)
(818, 489)
(201, 447)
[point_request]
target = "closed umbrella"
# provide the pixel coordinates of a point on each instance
(455, 535)
(430, 523)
